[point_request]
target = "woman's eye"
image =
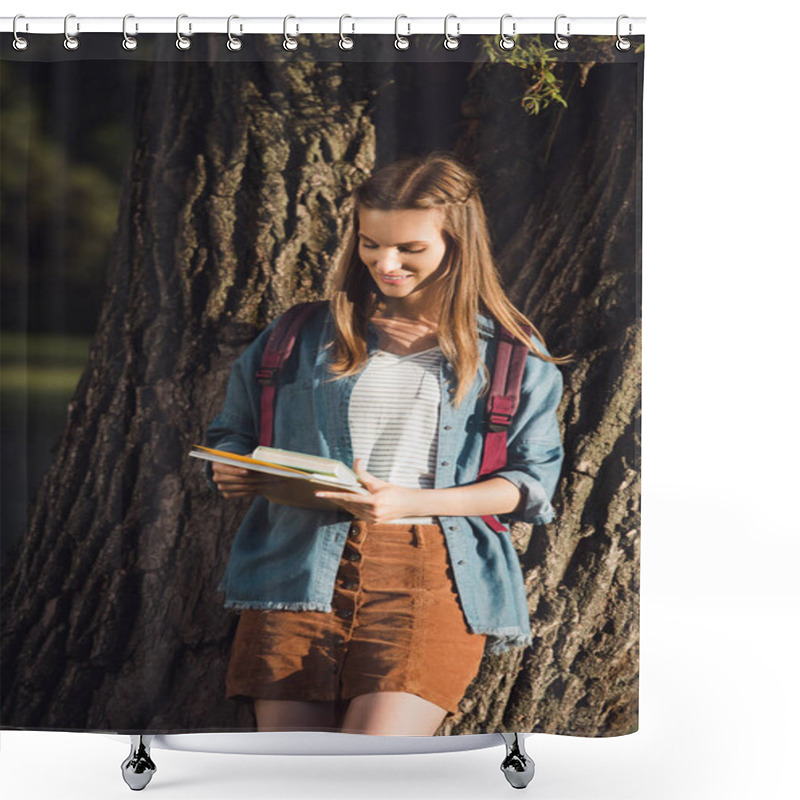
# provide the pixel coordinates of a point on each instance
(402, 249)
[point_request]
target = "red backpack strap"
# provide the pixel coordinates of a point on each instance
(502, 404)
(277, 350)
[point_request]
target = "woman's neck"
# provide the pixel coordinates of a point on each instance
(423, 320)
(417, 309)
(403, 329)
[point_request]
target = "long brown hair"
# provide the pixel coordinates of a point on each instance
(437, 180)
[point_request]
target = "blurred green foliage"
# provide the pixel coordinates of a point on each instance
(41, 364)
(60, 177)
(38, 377)
(43, 349)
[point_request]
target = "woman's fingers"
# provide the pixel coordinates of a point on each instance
(228, 469)
(352, 503)
(246, 475)
(233, 481)
(350, 497)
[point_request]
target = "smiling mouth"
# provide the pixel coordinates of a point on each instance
(394, 278)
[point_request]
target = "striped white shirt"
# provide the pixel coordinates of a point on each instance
(394, 419)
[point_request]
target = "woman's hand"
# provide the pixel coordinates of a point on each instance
(385, 501)
(241, 482)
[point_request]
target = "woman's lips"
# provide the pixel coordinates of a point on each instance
(394, 279)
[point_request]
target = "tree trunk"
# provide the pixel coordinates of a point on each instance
(232, 211)
(571, 261)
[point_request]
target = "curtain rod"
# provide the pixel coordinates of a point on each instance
(295, 25)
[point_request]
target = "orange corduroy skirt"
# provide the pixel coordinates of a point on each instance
(397, 626)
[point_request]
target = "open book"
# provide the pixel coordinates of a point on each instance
(300, 474)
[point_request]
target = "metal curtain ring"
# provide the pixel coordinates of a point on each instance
(400, 42)
(561, 42)
(128, 42)
(182, 43)
(622, 43)
(288, 42)
(233, 43)
(451, 42)
(507, 42)
(70, 42)
(345, 42)
(20, 43)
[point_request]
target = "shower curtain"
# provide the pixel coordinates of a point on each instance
(161, 206)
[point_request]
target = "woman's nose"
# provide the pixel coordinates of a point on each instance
(387, 261)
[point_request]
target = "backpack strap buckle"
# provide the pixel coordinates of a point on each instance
(266, 377)
(501, 411)
(270, 365)
(499, 422)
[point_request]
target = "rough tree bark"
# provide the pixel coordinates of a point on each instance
(232, 212)
(570, 259)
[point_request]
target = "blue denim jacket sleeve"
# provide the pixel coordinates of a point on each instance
(235, 428)
(534, 449)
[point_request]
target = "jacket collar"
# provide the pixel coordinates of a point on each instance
(486, 324)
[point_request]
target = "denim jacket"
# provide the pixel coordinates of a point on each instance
(284, 557)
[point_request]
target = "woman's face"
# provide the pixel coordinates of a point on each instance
(402, 249)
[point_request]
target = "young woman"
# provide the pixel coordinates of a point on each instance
(372, 614)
